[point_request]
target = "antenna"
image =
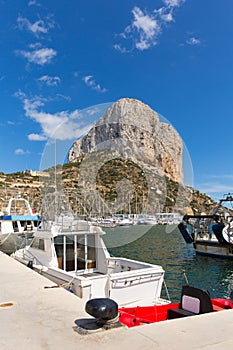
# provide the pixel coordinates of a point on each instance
(185, 277)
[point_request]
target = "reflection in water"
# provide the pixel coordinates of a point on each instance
(168, 249)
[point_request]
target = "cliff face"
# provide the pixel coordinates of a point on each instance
(132, 130)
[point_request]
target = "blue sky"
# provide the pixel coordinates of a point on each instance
(59, 58)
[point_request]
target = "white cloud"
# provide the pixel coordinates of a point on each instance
(167, 17)
(37, 28)
(35, 46)
(146, 28)
(143, 30)
(146, 25)
(118, 47)
(173, 3)
(41, 56)
(49, 81)
(214, 187)
(33, 3)
(20, 152)
(90, 82)
(36, 137)
(61, 126)
(193, 41)
(222, 176)
(64, 97)
(216, 184)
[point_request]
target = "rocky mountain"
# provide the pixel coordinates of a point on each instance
(131, 130)
(129, 162)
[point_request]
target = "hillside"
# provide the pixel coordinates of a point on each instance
(120, 186)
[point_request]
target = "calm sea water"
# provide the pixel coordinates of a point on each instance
(164, 246)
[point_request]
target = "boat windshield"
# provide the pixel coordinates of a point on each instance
(75, 252)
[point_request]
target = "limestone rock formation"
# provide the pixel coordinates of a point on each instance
(132, 130)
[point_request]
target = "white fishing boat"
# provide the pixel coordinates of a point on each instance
(73, 254)
(17, 224)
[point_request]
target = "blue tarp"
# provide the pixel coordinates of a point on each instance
(21, 217)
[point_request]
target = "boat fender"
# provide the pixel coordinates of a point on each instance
(131, 320)
(128, 319)
(30, 264)
(218, 231)
(223, 303)
(227, 232)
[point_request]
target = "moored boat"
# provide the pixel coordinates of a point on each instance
(107, 315)
(194, 301)
(211, 234)
(72, 253)
(17, 224)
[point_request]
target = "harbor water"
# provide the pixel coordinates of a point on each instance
(164, 245)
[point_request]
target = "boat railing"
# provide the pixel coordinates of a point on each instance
(115, 265)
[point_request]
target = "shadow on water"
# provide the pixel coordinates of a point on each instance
(168, 249)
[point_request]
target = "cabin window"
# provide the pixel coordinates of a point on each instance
(41, 244)
(91, 252)
(38, 243)
(75, 252)
(86, 252)
(15, 226)
(29, 225)
(36, 223)
(23, 224)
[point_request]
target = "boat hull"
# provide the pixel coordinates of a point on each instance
(137, 316)
(214, 249)
(129, 288)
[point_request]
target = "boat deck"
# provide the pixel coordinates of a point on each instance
(91, 274)
(33, 317)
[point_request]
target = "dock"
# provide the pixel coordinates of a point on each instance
(36, 314)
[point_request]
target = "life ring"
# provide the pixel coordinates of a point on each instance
(227, 232)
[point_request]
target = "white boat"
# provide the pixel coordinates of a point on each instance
(211, 234)
(73, 254)
(105, 222)
(124, 222)
(17, 224)
(150, 220)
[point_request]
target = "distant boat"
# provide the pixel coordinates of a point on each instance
(150, 220)
(211, 234)
(17, 224)
(72, 253)
(104, 222)
(124, 221)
